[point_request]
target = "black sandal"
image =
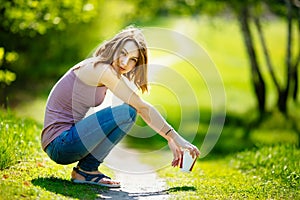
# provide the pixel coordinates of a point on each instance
(89, 179)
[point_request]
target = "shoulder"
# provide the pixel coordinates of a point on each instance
(104, 69)
(101, 66)
(93, 73)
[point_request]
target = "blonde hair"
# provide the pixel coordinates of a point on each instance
(108, 49)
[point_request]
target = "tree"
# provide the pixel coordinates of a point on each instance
(249, 14)
(23, 20)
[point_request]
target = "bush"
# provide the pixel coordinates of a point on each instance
(18, 138)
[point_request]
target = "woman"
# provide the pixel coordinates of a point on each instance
(68, 136)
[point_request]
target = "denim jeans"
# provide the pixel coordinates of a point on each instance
(90, 140)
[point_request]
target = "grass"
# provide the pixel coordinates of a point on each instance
(263, 173)
(27, 172)
(267, 170)
(43, 179)
(14, 133)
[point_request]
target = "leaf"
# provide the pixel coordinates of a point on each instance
(26, 183)
(5, 176)
(40, 164)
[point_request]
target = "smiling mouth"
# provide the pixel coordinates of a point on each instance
(122, 68)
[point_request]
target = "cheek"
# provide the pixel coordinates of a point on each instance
(131, 65)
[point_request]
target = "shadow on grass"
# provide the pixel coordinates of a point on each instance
(157, 194)
(85, 191)
(182, 188)
(69, 189)
(160, 193)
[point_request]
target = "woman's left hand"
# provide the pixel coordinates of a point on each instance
(194, 151)
(177, 147)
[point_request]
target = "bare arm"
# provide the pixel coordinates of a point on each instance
(149, 114)
(103, 74)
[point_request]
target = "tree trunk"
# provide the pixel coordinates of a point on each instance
(3, 99)
(296, 82)
(266, 54)
(283, 95)
(257, 79)
(282, 101)
(295, 75)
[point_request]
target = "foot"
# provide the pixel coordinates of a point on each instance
(105, 181)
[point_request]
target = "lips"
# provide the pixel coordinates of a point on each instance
(122, 68)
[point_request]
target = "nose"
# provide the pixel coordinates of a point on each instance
(124, 61)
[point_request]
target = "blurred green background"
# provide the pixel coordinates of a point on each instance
(254, 45)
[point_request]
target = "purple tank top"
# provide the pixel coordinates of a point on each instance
(68, 102)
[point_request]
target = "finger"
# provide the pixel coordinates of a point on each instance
(197, 152)
(177, 159)
(194, 152)
(175, 162)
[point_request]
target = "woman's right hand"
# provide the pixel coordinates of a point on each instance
(176, 152)
(177, 146)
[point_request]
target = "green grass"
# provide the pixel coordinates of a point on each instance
(18, 139)
(263, 173)
(278, 164)
(268, 170)
(43, 179)
(27, 172)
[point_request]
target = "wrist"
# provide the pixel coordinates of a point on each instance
(171, 135)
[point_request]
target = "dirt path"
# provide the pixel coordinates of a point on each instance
(138, 181)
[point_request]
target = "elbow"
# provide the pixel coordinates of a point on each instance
(143, 108)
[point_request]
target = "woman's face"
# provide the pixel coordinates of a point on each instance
(127, 59)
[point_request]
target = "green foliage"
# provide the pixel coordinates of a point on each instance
(146, 10)
(52, 54)
(18, 139)
(22, 20)
(7, 77)
(31, 17)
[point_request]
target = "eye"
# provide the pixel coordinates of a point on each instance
(123, 52)
(134, 60)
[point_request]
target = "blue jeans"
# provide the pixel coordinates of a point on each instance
(90, 140)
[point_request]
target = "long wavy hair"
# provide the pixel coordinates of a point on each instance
(107, 50)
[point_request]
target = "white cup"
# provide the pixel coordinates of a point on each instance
(187, 161)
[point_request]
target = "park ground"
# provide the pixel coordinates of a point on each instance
(252, 159)
(267, 172)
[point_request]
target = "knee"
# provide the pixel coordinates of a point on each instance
(132, 112)
(126, 113)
